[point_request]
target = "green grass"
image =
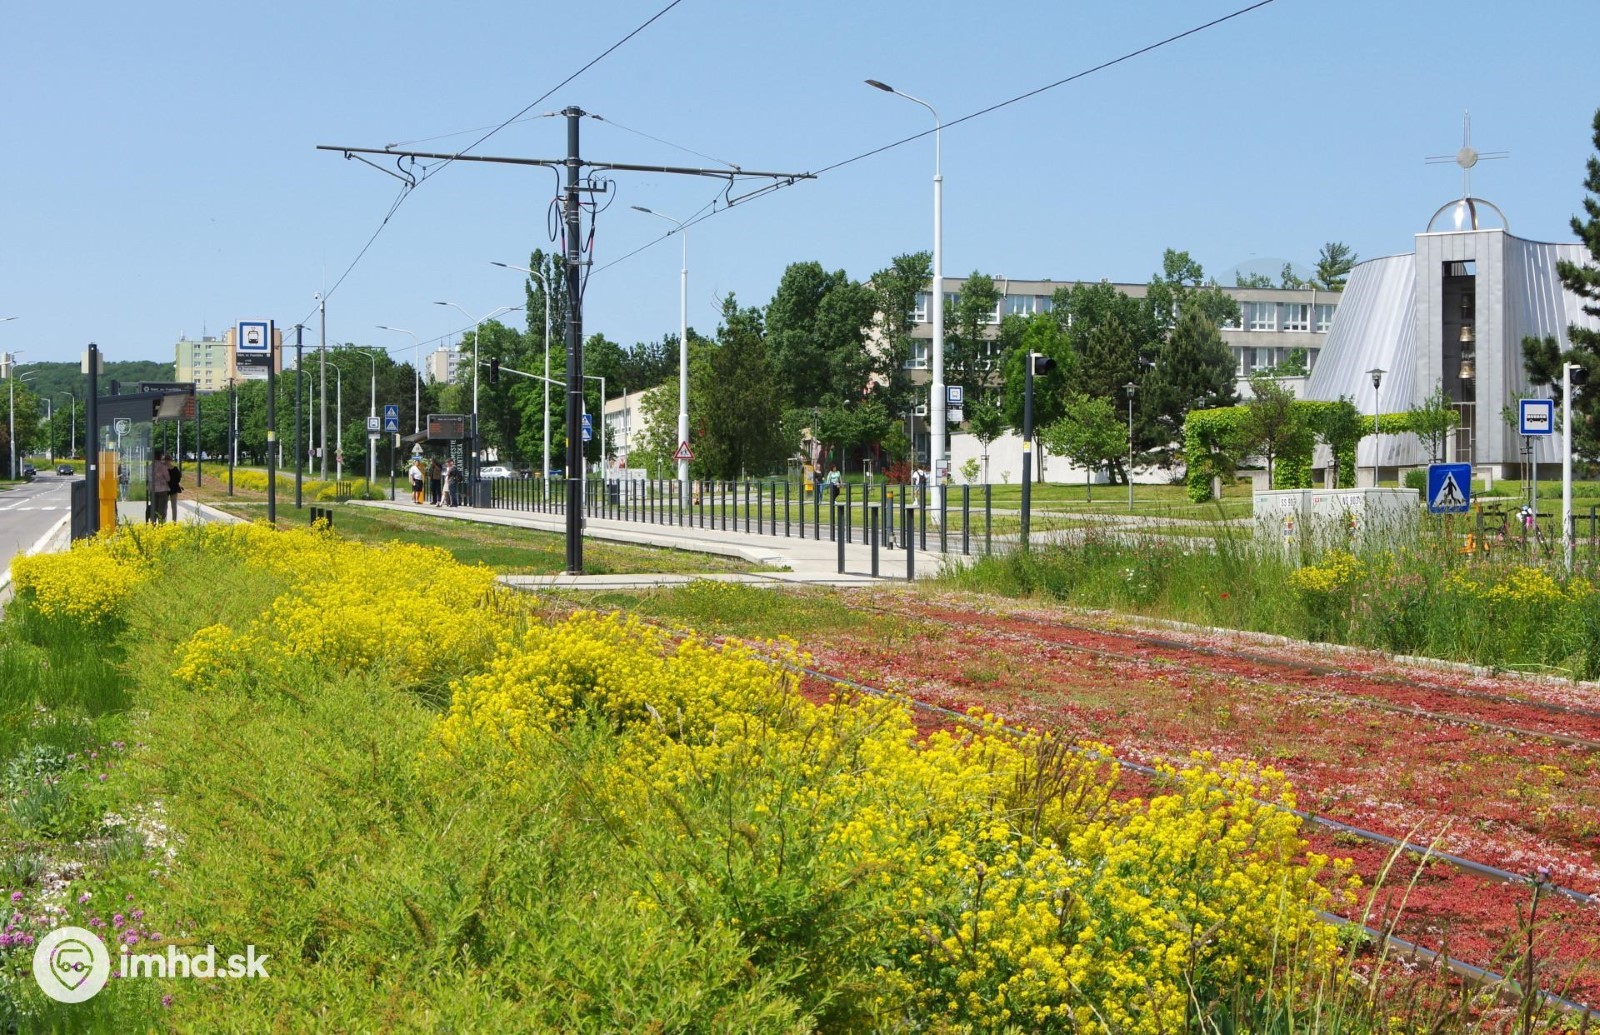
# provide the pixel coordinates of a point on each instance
(506, 549)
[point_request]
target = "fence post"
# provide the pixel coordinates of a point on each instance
(838, 514)
(906, 510)
(786, 511)
(872, 534)
(966, 520)
(944, 519)
(988, 526)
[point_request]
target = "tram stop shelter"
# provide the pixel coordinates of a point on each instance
(125, 438)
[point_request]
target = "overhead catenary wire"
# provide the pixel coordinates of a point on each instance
(405, 191)
(767, 189)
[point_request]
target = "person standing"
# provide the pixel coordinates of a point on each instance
(435, 481)
(160, 486)
(414, 473)
(174, 487)
(451, 478)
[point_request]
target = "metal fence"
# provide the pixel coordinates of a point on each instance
(962, 521)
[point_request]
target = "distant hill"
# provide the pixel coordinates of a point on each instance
(57, 379)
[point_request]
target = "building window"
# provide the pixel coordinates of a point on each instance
(1042, 303)
(1263, 316)
(919, 312)
(918, 360)
(1019, 305)
(1324, 317)
(993, 315)
(1262, 360)
(1242, 353)
(1296, 316)
(951, 300)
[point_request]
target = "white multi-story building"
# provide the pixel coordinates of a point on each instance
(208, 363)
(443, 363)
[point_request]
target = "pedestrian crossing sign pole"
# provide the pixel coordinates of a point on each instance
(1449, 488)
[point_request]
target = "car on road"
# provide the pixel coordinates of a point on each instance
(496, 471)
(65, 469)
(29, 472)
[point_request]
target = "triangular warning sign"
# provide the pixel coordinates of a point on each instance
(1449, 494)
(683, 452)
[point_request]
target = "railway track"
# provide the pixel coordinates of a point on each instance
(1059, 634)
(1140, 650)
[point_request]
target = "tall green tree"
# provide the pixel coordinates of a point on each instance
(896, 288)
(742, 436)
(1542, 358)
(1432, 421)
(1272, 425)
(966, 341)
(1334, 264)
(1020, 337)
(1089, 433)
(815, 329)
(1194, 369)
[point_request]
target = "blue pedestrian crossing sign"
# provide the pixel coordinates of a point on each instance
(391, 417)
(588, 428)
(1449, 488)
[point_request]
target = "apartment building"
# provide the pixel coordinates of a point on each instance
(1273, 322)
(208, 363)
(442, 364)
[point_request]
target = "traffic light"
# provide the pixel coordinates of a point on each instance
(494, 370)
(1578, 375)
(1042, 364)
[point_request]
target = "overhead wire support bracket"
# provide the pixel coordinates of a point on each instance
(679, 170)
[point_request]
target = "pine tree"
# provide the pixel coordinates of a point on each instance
(1541, 358)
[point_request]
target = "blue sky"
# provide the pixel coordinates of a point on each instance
(163, 179)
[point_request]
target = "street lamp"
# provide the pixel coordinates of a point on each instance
(1130, 387)
(416, 369)
(937, 409)
(372, 416)
(544, 286)
(477, 332)
(683, 351)
(1376, 373)
(10, 370)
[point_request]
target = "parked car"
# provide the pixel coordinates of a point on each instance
(65, 469)
(29, 472)
(496, 471)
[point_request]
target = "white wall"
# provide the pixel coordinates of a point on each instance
(1005, 456)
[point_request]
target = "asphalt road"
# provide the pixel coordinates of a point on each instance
(28, 512)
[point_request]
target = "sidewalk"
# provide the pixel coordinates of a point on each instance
(809, 561)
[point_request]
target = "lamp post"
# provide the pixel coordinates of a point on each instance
(10, 366)
(372, 415)
(1130, 387)
(477, 332)
(416, 369)
(1376, 373)
(683, 351)
(936, 411)
(544, 287)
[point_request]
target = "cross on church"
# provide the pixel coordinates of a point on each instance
(1466, 157)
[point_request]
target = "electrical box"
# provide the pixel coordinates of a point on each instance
(1298, 521)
